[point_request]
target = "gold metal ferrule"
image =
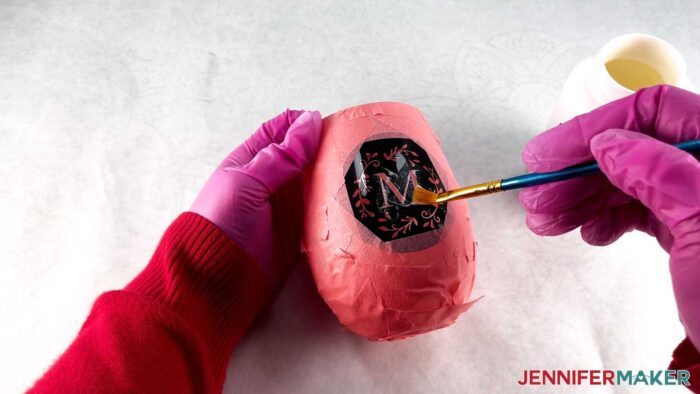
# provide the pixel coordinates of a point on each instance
(470, 191)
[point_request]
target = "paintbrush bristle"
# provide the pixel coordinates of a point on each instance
(423, 197)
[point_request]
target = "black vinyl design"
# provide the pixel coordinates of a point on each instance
(380, 183)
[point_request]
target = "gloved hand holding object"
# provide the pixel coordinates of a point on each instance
(174, 326)
(240, 196)
(648, 185)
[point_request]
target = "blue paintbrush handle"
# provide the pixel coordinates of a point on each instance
(539, 178)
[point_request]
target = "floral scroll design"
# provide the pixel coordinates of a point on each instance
(362, 187)
(406, 224)
(411, 157)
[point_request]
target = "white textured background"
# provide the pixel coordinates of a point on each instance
(113, 114)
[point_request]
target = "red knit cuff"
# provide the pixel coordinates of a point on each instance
(208, 280)
(687, 357)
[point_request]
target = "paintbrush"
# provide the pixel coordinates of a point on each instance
(422, 196)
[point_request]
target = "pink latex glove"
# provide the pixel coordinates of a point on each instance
(255, 194)
(647, 184)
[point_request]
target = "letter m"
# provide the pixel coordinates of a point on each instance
(390, 188)
(624, 377)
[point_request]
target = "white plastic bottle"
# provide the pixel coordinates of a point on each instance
(635, 60)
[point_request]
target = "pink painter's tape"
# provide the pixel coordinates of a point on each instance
(379, 289)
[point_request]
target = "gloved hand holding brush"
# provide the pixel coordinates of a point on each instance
(648, 185)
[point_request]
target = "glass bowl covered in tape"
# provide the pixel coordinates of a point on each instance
(386, 268)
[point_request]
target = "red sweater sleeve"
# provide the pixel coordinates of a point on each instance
(174, 327)
(686, 357)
